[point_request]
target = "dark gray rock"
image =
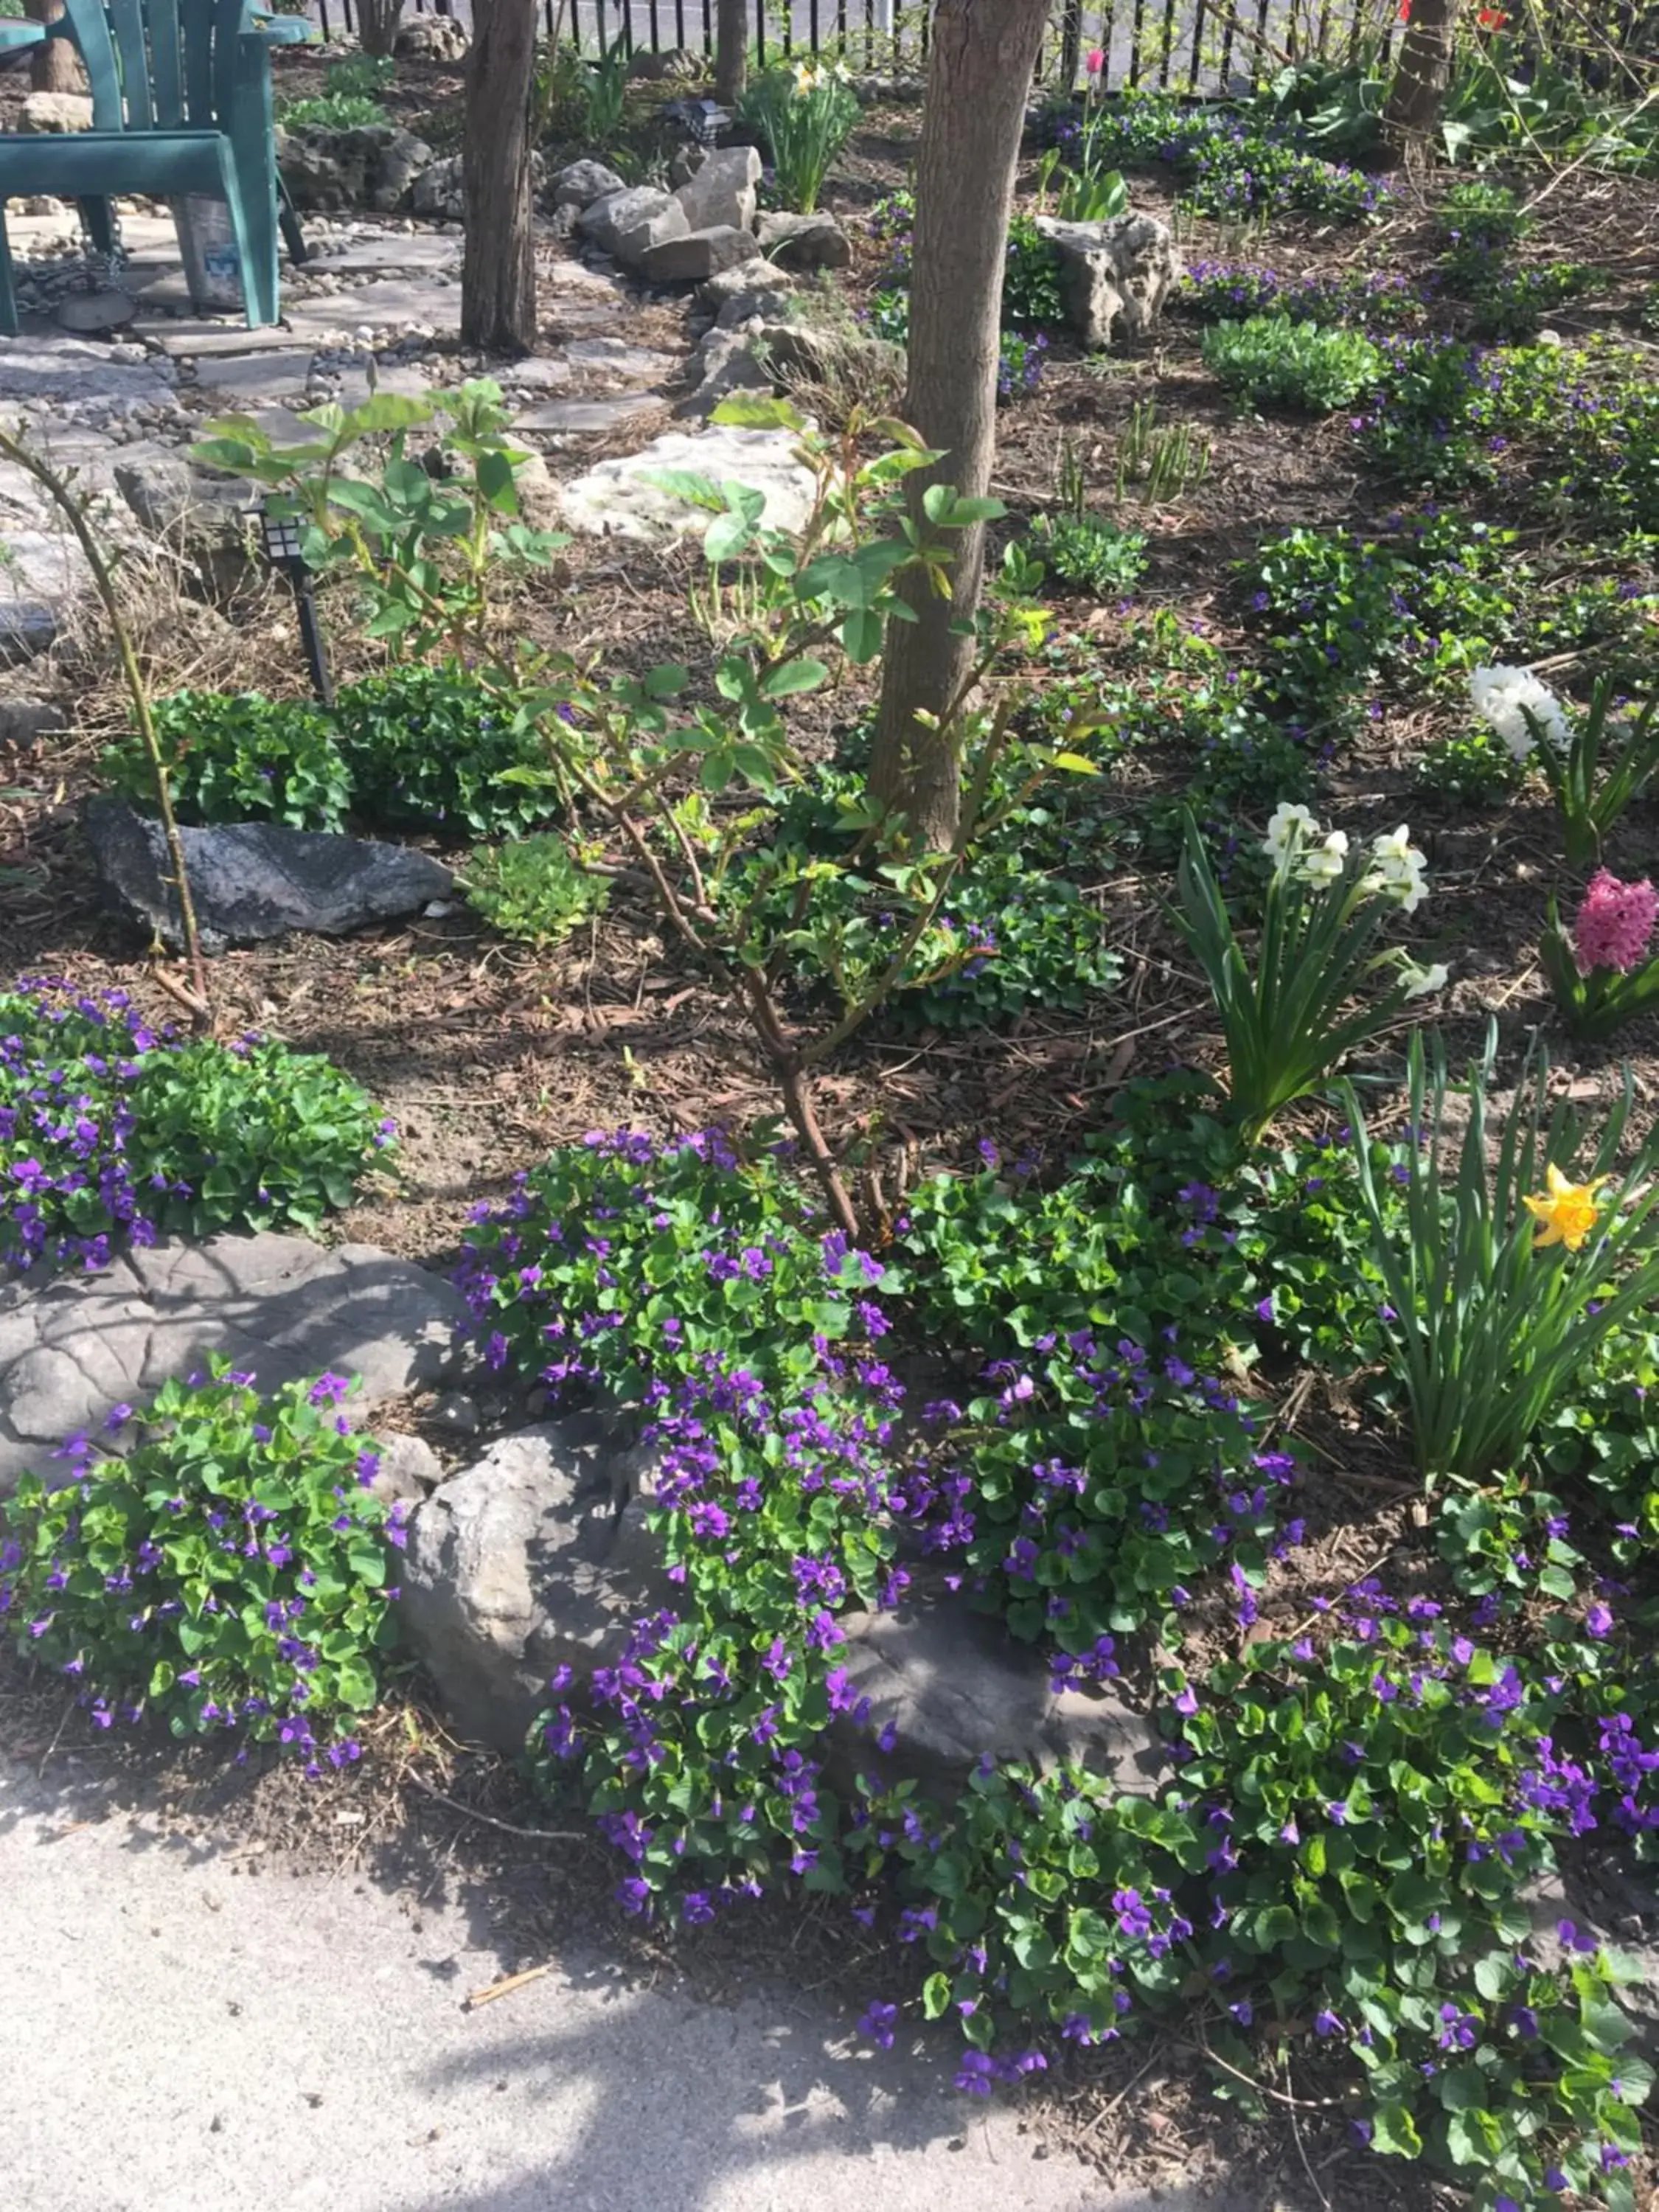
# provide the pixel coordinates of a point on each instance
(579, 184)
(372, 165)
(279, 1307)
(630, 223)
(536, 1558)
(205, 520)
(438, 191)
(25, 721)
(805, 241)
(699, 255)
(956, 1686)
(251, 880)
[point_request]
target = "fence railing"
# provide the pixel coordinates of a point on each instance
(1180, 45)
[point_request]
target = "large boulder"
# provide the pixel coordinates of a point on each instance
(579, 184)
(627, 224)
(721, 193)
(536, 1558)
(805, 241)
(277, 1307)
(697, 255)
(251, 880)
(431, 38)
(626, 498)
(373, 165)
(1111, 272)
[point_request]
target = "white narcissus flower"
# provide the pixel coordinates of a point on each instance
(1399, 873)
(1503, 697)
(1325, 864)
(1420, 982)
(1288, 826)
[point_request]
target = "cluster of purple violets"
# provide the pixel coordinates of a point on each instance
(1231, 290)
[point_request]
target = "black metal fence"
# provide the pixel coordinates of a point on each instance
(1184, 46)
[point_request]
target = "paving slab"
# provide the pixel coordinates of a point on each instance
(586, 417)
(260, 2037)
(393, 255)
(200, 340)
(254, 379)
(381, 304)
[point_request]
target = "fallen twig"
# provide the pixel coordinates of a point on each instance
(507, 1827)
(504, 1989)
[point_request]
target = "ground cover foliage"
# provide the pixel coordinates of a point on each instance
(1300, 1382)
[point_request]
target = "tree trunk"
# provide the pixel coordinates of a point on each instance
(377, 25)
(979, 78)
(498, 263)
(56, 66)
(731, 50)
(1421, 75)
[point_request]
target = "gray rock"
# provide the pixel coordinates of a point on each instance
(748, 288)
(70, 371)
(279, 1307)
(1122, 270)
(251, 880)
(437, 192)
(208, 521)
(431, 38)
(51, 112)
(628, 223)
(805, 241)
(955, 1687)
(762, 356)
(696, 257)
(579, 184)
(24, 722)
(535, 1558)
(721, 194)
(726, 362)
(372, 165)
(408, 1468)
(622, 498)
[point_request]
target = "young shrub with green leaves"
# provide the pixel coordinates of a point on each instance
(433, 748)
(1270, 361)
(1597, 764)
(532, 890)
(1290, 1018)
(1507, 1275)
(110, 1129)
(228, 1574)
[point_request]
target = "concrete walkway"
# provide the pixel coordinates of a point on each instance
(177, 2039)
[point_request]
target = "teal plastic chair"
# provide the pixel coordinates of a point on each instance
(180, 104)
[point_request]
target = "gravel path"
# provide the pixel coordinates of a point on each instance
(175, 2036)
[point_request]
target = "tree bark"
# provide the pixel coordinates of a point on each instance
(55, 66)
(731, 50)
(979, 77)
(377, 25)
(498, 263)
(1421, 75)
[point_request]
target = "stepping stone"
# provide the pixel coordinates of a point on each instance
(200, 341)
(168, 295)
(280, 1307)
(616, 358)
(536, 375)
(381, 305)
(65, 370)
(586, 417)
(255, 378)
(393, 255)
(350, 387)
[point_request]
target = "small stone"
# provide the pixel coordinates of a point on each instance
(458, 1413)
(49, 112)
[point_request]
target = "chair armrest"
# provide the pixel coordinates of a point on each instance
(285, 31)
(14, 34)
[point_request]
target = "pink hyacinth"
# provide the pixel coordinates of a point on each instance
(1096, 60)
(1615, 924)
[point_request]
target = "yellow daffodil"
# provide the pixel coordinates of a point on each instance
(1567, 1211)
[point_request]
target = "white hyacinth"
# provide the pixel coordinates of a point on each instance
(1503, 697)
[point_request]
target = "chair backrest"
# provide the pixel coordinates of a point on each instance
(158, 64)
